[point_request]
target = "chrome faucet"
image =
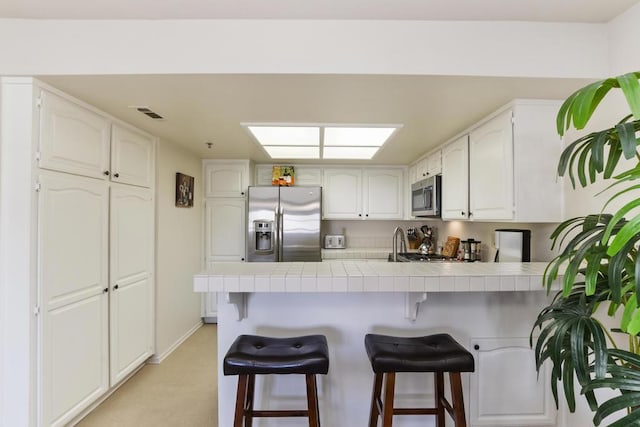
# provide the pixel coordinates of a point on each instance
(403, 243)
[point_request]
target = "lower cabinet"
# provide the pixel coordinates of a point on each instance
(93, 331)
(210, 307)
(505, 389)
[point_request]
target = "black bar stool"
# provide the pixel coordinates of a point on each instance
(434, 353)
(252, 355)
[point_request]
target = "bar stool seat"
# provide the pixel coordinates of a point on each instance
(437, 353)
(252, 355)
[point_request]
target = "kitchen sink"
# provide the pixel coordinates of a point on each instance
(418, 257)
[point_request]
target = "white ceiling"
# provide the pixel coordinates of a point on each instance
(512, 10)
(210, 108)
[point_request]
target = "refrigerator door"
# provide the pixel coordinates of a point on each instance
(262, 231)
(300, 209)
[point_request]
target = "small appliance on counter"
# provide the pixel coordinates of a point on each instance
(471, 250)
(513, 245)
(335, 241)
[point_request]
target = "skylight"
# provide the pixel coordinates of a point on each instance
(286, 141)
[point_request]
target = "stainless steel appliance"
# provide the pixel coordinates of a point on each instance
(283, 224)
(513, 245)
(425, 197)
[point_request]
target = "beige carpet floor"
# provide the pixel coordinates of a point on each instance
(181, 391)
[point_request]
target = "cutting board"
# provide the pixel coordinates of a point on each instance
(451, 247)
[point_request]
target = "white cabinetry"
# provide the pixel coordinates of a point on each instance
(304, 175)
(455, 179)
(131, 278)
(505, 387)
(225, 229)
(371, 193)
(512, 167)
(95, 255)
(77, 140)
(73, 282)
(226, 178)
(427, 166)
(226, 183)
(131, 157)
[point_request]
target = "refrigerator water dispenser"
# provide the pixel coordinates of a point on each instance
(264, 235)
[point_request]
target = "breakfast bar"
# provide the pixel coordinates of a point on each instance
(488, 307)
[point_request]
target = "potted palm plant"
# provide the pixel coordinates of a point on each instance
(598, 265)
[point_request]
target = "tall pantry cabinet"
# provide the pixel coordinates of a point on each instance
(94, 183)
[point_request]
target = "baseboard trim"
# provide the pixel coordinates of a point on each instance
(157, 359)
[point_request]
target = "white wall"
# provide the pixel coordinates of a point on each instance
(624, 32)
(178, 249)
(524, 49)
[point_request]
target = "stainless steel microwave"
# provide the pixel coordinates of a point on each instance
(425, 197)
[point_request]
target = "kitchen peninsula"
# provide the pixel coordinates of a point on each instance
(488, 307)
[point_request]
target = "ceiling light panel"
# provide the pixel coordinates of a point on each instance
(357, 136)
(292, 152)
(286, 135)
(360, 153)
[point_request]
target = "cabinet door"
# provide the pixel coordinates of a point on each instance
(131, 279)
(72, 138)
(264, 174)
(210, 305)
(383, 193)
(413, 174)
(132, 157)
(455, 179)
(434, 163)
(72, 282)
(505, 387)
(225, 229)
(341, 194)
(226, 179)
(422, 168)
(306, 175)
(491, 169)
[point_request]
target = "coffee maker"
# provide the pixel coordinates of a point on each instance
(513, 245)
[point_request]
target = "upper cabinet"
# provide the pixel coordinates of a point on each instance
(76, 140)
(426, 167)
(226, 178)
(304, 175)
(72, 138)
(455, 181)
(491, 169)
(368, 193)
(132, 155)
(512, 157)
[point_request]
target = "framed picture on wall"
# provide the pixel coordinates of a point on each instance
(184, 190)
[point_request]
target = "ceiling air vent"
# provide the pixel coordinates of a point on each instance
(147, 112)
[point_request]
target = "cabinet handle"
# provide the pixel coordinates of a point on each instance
(470, 213)
(462, 213)
(476, 347)
(115, 287)
(105, 173)
(242, 194)
(367, 215)
(116, 175)
(360, 215)
(105, 290)
(241, 259)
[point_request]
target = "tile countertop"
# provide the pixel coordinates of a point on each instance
(363, 276)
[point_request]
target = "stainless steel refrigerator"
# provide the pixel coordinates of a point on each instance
(283, 224)
(513, 245)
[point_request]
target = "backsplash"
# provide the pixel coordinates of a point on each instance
(378, 234)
